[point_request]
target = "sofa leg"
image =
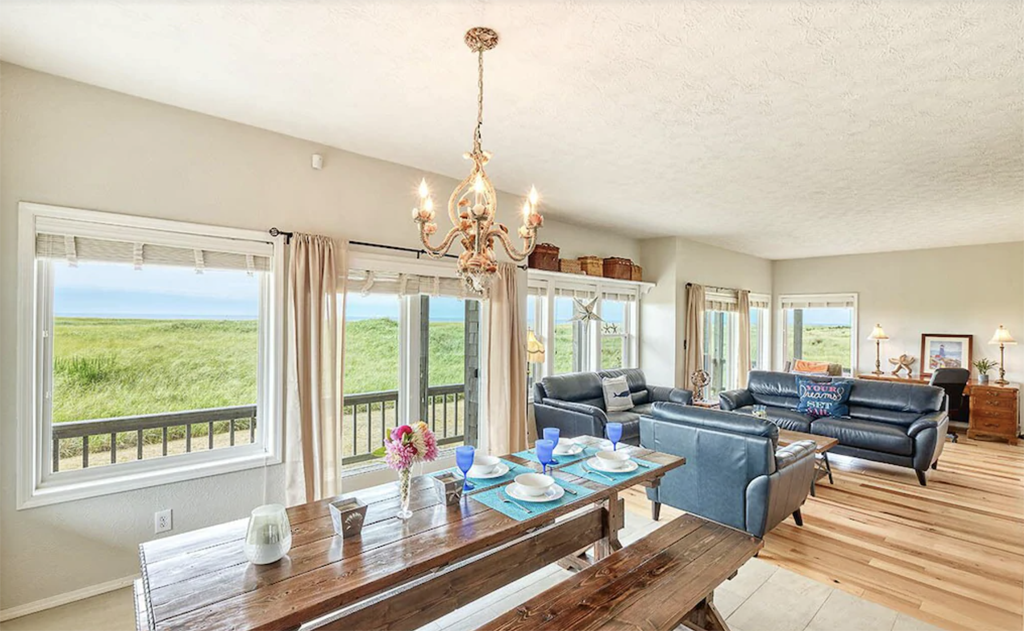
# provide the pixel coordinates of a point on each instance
(798, 518)
(655, 510)
(921, 478)
(935, 465)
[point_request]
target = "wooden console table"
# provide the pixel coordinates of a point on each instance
(456, 554)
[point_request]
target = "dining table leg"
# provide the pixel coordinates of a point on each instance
(614, 521)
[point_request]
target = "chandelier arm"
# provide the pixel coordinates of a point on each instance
(453, 201)
(506, 242)
(442, 249)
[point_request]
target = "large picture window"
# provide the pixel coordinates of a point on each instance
(149, 351)
(412, 353)
(820, 328)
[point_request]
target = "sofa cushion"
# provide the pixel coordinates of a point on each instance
(783, 418)
(775, 389)
(869, 435)
(630, 423)
(617, 397)
(818, 399)
(579, 387)
(881, 415)
(716, 419)
(898, 397)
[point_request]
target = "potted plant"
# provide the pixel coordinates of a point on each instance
(984, 365)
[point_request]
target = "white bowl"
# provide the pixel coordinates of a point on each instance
(534, 484)
(484, 464)
(612, 459)
(564, 446)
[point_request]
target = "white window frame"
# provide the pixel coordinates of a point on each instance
(732, 373)
(549, 282)
(782, 340)
(37, 486)
(764, 330)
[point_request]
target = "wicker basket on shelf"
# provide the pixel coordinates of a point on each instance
(592, 266)
(619, 268)
(638, 273)
(544, 256)
(570, 266)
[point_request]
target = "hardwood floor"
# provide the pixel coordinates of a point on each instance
(951, 553)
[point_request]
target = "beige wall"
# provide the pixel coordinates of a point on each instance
(71, 144)
(964, 290)
(672, 263)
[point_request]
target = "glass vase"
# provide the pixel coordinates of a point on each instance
(405, 491)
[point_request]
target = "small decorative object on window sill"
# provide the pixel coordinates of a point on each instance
(473, 205)
(984, 365)
(903, 362)
(449, 488)
(592, 266)
(269, 536)
(405, 446)
(545, 257)
(619, 268)
(348, 516)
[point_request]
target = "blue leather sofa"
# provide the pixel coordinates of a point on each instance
(735, 472)
(898, 423)
(574, 403)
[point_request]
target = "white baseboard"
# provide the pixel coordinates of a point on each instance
(65, 598)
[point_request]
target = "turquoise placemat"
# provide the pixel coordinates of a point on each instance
(483, 483)
(531, 455)
(489, 497)
(577, 470)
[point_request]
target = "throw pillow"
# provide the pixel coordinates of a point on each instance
(823, 398)
(617, 397)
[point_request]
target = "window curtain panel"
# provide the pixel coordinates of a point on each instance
(316, 279)
(693, 351)
(743, 361)
(506, 363)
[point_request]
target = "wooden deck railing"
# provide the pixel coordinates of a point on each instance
(370, 414)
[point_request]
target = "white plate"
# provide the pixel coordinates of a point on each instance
(499, 471)
(571, 451)
(630, 467)
(552, 494)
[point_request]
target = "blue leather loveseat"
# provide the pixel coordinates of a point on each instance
(898, 423)
(735, 471)
(574, 403)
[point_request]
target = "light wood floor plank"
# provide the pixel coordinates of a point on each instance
(950, 554)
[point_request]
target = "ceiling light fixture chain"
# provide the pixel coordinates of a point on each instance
(473, 205)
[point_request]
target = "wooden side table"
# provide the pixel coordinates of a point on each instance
(707, 405)
(995, 412)
(821, 443)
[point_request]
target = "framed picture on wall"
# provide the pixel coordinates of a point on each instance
(944, 350)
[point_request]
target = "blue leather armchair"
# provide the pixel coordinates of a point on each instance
(574, 403)
(735, 472)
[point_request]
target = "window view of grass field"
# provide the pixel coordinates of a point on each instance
(825, 335)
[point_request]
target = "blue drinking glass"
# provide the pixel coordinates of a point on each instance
(614, 434)
(552, 433)
(545, 450)
(464, 459)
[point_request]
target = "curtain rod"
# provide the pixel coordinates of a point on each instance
(688, 285)
(274, 232)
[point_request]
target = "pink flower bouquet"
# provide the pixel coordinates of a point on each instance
(405, 446)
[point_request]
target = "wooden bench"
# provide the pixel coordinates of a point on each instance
(666, 579)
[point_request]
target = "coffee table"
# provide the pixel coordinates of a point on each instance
(822, 445)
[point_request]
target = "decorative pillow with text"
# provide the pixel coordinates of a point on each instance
(823, 398)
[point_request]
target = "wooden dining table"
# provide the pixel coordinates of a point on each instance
(396, 574)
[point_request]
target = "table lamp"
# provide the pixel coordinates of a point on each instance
(1003, 338)
(878, 335)
(534, 349)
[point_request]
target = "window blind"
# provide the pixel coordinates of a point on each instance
(760, 301)
(721, 300)
(74, 249)
(370, 282)
(826, 301)
(620, 296)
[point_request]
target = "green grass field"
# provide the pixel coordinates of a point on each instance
(825, 344)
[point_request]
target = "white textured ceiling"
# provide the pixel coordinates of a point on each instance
(780, 129)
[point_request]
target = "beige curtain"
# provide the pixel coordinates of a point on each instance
(693, 353)
(506, 363)
(743, 362)
(316, 279)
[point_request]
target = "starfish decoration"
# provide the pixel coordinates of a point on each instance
(585, 312)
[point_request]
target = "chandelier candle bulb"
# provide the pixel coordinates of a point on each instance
(473, 205)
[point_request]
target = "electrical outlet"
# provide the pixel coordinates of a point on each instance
(162, 521)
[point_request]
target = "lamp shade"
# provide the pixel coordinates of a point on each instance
(1002, 336)
(878, 333)
(534, 349)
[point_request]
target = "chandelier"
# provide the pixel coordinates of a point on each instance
(473, 205)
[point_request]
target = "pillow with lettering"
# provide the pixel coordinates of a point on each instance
(823, 398)
(617, 397)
